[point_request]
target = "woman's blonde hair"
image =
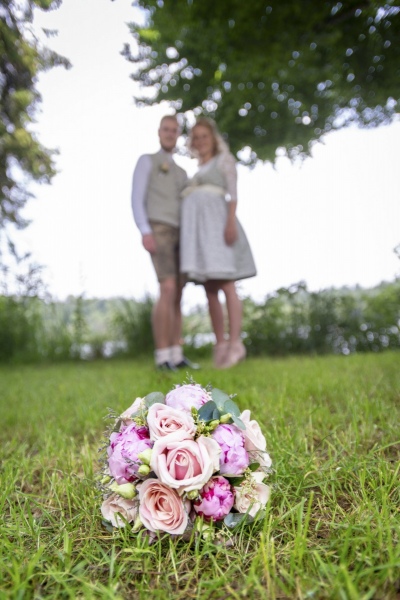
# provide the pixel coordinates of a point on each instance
(220, 146)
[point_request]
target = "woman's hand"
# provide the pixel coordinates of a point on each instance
(231, 232)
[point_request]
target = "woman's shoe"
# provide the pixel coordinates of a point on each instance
(236, 353)
(219, 354)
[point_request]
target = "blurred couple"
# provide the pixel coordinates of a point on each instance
(190, 229)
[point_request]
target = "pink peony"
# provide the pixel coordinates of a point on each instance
(123, 451)
(161, 508)
(183, 397)
(234, 458)
(127, 509)
(164, 420)
(252, 495)
(216, 499)
(184, 464)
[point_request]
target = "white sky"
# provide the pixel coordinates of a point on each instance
(334, 221)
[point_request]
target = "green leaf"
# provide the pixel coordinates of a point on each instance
(219, 398)
(235, 481)
(238, 422)
(234, 519)
(254, 466)
(207, 411)
(154, 397)
(107, 525)
(149, 35)
(232, 408)
(216, 414)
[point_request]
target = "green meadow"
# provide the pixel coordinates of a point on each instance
(332, 525)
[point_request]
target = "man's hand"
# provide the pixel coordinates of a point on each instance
(149, 243)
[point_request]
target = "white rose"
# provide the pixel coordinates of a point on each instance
(114, 504)
(254, 438)
(252, 495)
(254, 441)
(132, 410)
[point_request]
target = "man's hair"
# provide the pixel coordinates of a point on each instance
(171, 118)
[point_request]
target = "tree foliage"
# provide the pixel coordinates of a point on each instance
(22, 157)
(272, 73)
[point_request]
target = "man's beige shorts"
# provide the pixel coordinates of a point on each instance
(166, 258)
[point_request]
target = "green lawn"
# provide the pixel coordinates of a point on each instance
(332, 525)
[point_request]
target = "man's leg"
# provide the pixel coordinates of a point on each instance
(176, 330)
(163, 317)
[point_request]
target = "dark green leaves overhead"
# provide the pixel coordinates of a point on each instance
(22, 157)
(273, 74)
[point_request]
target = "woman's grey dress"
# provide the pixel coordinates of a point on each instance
(204, 253)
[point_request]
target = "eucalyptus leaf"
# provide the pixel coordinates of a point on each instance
(107, 525)
(206, 412)
(238, 422)
(219, 398)
(216, 414)
(154, 397)
(234, 519)
(232, 408)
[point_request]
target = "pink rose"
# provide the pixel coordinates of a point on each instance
(161, 508)
(254, 441)
(164, 420)
(128, 510)
(183, 397)
(252, 495)
(184, 464)
(234, 458)
(216, 499)
(123, 451)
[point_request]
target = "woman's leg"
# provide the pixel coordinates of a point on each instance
(217, 320)
(236, 350)
(215, 310)
(234, 308)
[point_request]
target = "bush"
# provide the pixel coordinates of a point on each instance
(132, 324)
(19, 329)
(294, 320)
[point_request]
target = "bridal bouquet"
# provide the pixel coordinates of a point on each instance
(178, 462)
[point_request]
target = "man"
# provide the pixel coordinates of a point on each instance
(156, 187)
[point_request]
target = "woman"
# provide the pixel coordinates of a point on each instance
(214, 247)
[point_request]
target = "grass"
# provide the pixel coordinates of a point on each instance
(332, 526)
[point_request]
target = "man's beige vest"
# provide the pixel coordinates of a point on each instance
(166, 183)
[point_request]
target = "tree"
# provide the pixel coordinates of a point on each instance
(22, 157)
(272, 73)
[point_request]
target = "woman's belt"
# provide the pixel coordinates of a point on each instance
(205, 187)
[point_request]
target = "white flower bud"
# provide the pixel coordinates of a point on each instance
(143, 470)
(126, 490)
(225, 418)
(137, 524)
(145, 456)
